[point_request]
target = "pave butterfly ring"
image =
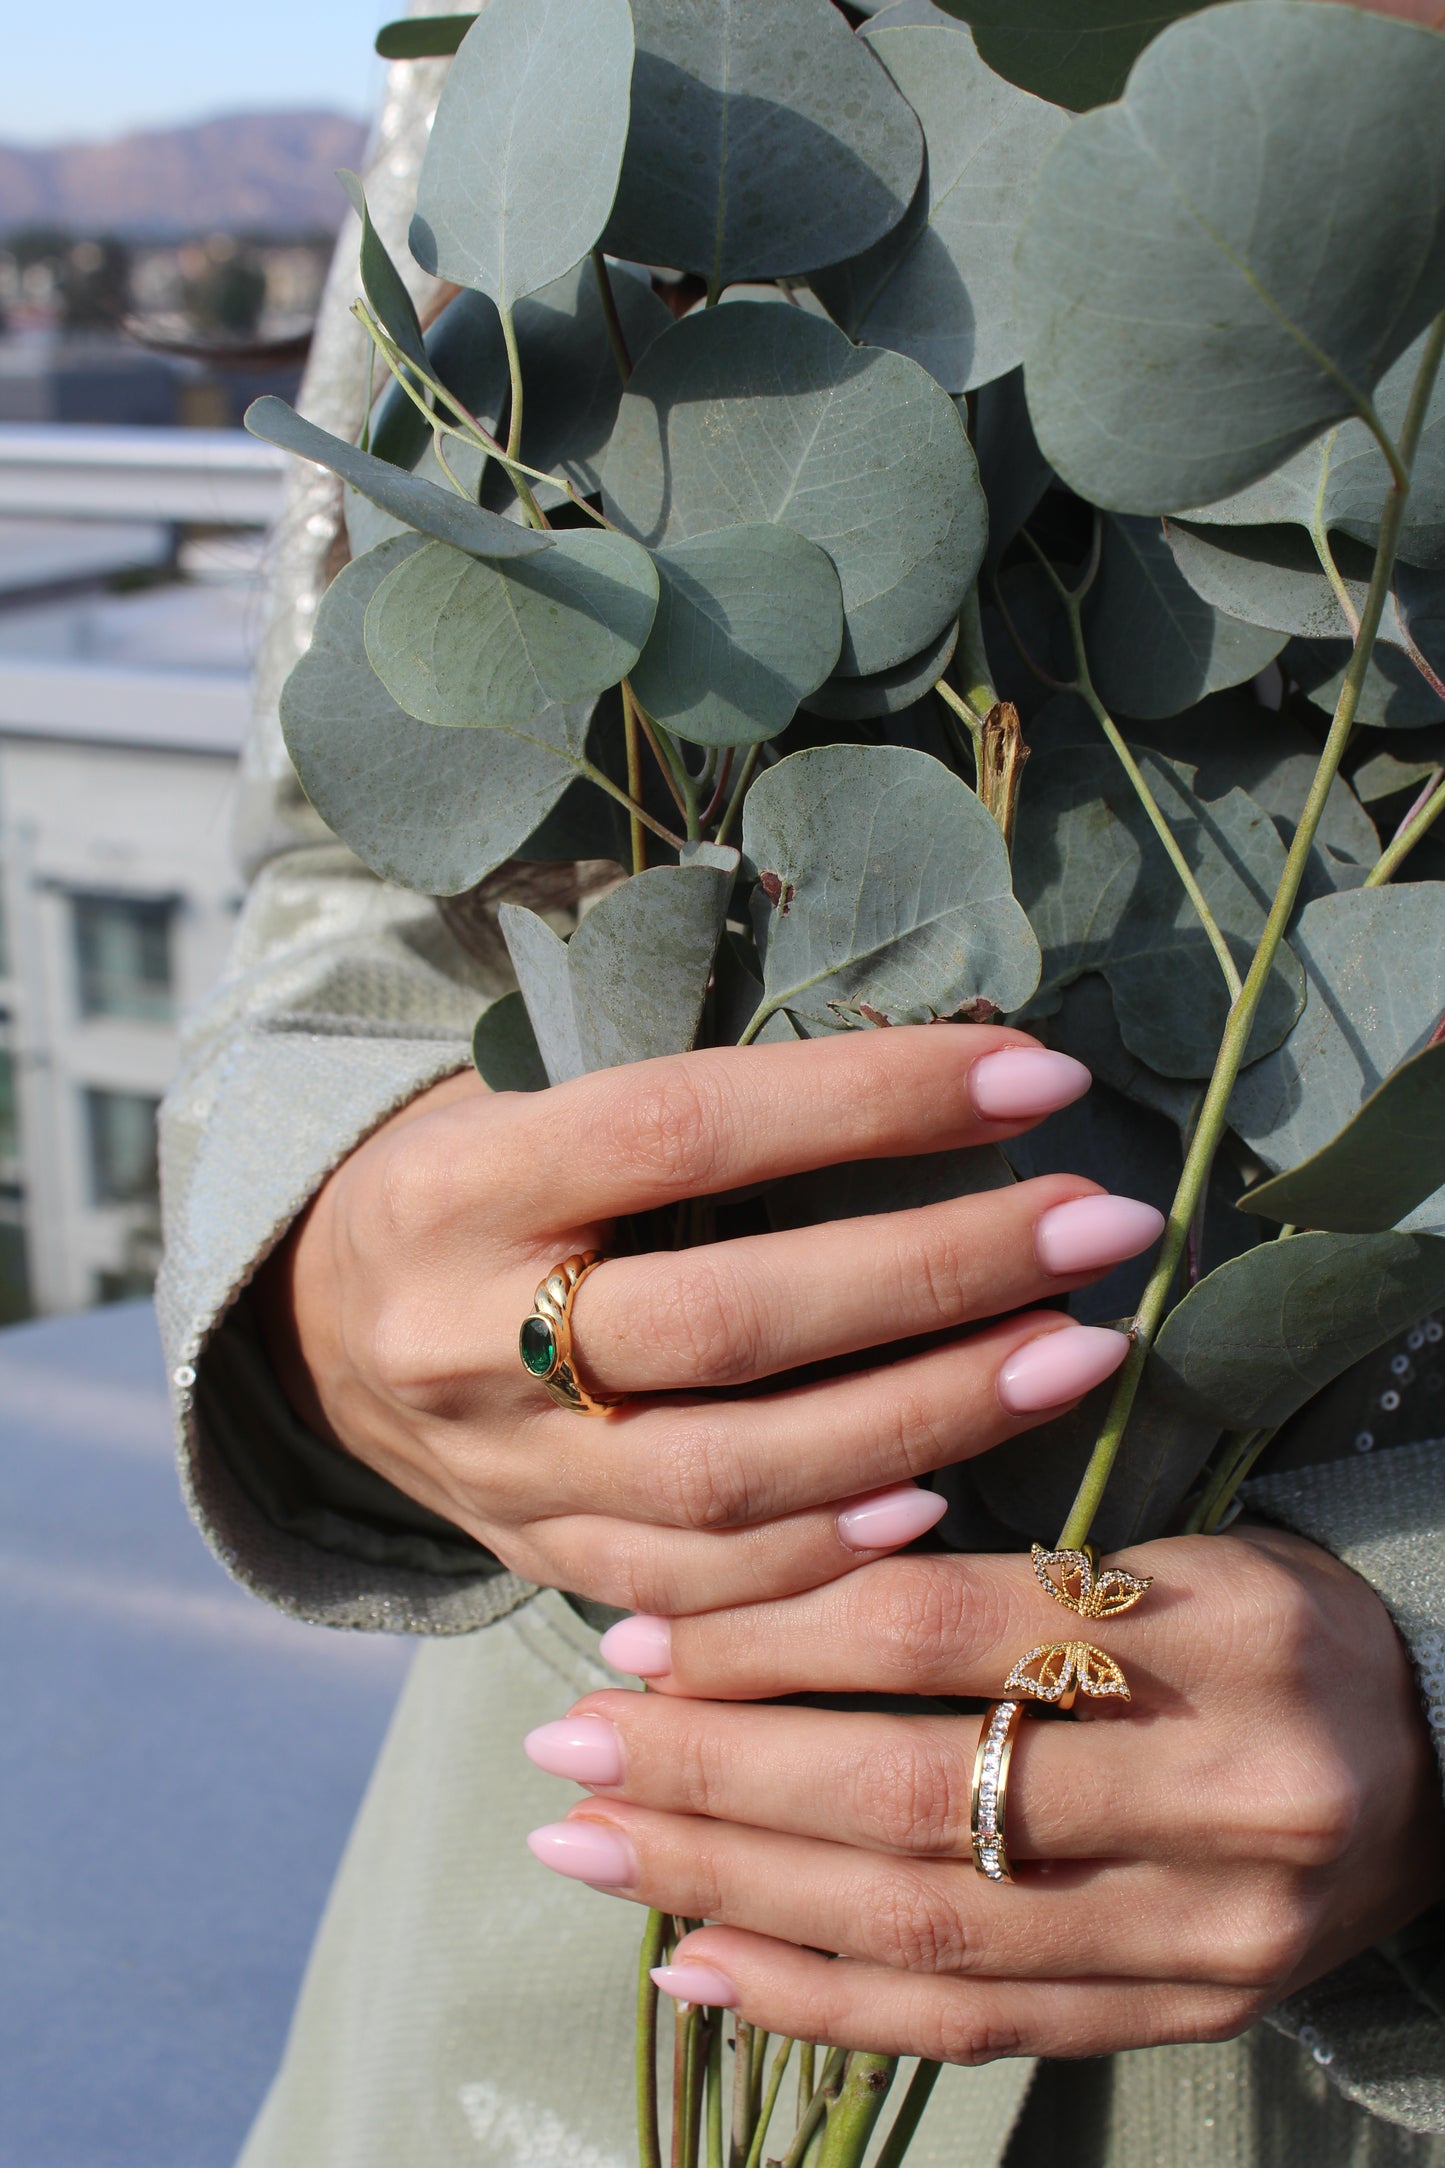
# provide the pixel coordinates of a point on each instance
(1057, 1671)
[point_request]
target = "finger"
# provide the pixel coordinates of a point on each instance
(893, 1784)
(801, 1996)
(730, 1312)
(719, 1463)
(1129, 1920)
(951, 1623)
(694, 1125)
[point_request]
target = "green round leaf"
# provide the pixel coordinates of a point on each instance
(887, 692)
(1072, 52)
(422, 37)
(883, 887)
(939, 286)
(749, 619)
(1387, 1159)
(1013, 472)
(1394, 696)
(1345, 474)
(522, 164)
(505, 1053)
(761, 412)
(407, 497)
(1271, 576)
(1179, 337)
(437, 810)
(1155, 647)
(765, 139)
(462, 643)
(381, 282)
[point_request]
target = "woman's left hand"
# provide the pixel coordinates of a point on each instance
(1266, 1804)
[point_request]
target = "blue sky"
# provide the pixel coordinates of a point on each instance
(98, 67)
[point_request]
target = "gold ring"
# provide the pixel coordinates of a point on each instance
(1058, 1671)
(545, 1340)
(989, 1801)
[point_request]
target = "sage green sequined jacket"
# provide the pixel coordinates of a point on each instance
(462, 2008)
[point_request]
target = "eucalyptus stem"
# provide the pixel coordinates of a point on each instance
(742, 2091)
(632, 736)
(616, 336)
(1220, 1490)
(637, 812)
(971, 657)
(715, 2094)
(1319, 535)
(807, 2073)
(1416, 824)
(740, 791)
(852, 2116)
(963, 709)
(1083, 685)
(817, 2108)
(1210, 1128)
(753, 2158)
(665, 767)
(909, 2116)
(514, 373)
(649, 2132)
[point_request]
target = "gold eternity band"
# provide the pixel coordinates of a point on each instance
(545, 1340)
(989, 1801)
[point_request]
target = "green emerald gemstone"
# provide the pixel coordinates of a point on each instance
(538, 1343)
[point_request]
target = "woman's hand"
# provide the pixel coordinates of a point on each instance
(1266, 1805)
(395, 1308)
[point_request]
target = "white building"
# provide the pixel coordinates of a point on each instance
(121, 716)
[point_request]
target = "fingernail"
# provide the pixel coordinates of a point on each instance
(587, 1852)
(586, 1749)
(1093, 1232)
(702, 1985)
(1020, 1083)
(1059, 1366)
(641, 1645)
(891, 1517)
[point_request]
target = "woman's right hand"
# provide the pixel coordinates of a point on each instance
(395, 1305)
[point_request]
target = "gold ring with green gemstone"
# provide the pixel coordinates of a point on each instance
(545, 1341)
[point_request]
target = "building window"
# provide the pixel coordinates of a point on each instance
(122, 1133)
(123, 957)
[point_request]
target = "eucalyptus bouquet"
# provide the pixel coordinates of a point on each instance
(1017, 389)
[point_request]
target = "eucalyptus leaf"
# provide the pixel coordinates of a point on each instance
(1386, 1160)
(441, 513)
(1375, 964)
(881, 880)
(468, 644)
(758, 412)
(922, 14)
(1084, 1024)
(505, 1053)
(938, 287)
(1271, 576)
(1386, 775)
(524, 153)
(765, 139)
(1261, 1335)
(749, 619)
(1345, 478)
(437, 810)
(1155, 646)
(381, 282)
(1179, 343)
(630, 983)
(1012, 470)
(1073, 52)
(467, 354)
(1393, 696)
(887, 692)
(422, 37)
(367, 524)
(1102, 896)
(571, 377)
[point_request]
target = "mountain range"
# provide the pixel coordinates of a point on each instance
(269, 174)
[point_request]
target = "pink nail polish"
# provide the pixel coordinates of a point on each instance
(1022, 1083)
(890, 1517)
(1093, 1232)
(697, 1984)
(1059, 1366)
(641, 1645)
(586, 1749)
(587, 1852)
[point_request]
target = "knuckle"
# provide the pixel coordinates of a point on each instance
(1308, 1810)
(699, 1767)
(921, 1616)
(664, 1129)
(909, 1795)
(1218, 2018)
(699, 1480)
(415, 1186)
(918, 1923)
(707, 1317)
(966, 2034)
(1262, 1952)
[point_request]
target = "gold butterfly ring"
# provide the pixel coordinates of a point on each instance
(1058, 1671)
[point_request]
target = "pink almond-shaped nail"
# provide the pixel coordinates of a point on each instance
(1023, 1083)
(1093, 1232)
(587, 1852)
(890, 1517)
(640, 1644)
(1059, 1366)
(701, 1985)
(585, 1749)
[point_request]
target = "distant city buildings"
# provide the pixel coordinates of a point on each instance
(126, 633)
